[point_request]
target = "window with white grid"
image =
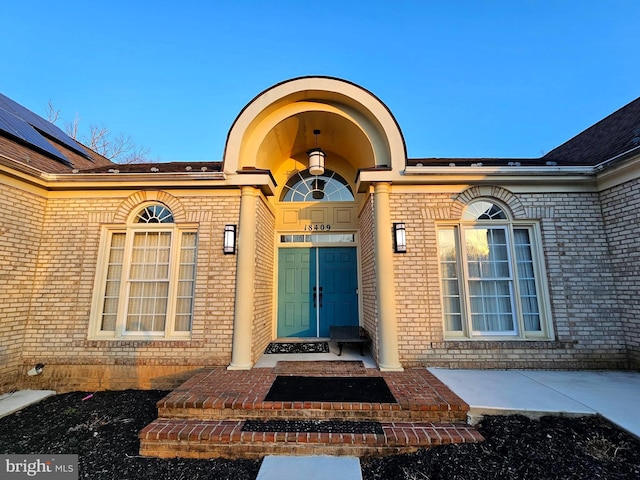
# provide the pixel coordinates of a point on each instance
(145, 284)
(492, 277)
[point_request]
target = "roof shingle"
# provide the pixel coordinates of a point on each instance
(612, 136)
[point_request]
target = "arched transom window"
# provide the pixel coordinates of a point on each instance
(328, 187)
(156, 213)
(484, 210)
(491, 275)
(145, 282)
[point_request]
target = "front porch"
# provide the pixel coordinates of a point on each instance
(206, 416)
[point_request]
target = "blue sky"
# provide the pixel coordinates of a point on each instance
(463, 78)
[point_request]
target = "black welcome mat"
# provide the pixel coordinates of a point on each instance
(298, 347)
(322, 426)
(330, 389)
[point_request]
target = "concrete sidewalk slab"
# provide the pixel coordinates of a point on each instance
(614, 395)
(494, 391)
(534, 393)
(309, 468)
(12, 402)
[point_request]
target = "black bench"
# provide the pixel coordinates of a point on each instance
(342, 335)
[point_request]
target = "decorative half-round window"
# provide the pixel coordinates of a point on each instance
(328, 187)
(156, 213)
(484, 210)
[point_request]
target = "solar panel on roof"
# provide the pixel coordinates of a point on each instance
(40, 124)
(20, 129)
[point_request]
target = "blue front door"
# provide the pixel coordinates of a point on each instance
(317, 288)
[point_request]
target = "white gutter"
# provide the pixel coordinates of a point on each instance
(499, 170)
(124, 177)
(602, 165)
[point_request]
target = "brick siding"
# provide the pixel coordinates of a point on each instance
(21, 217)
(588, 328)
(49, 256)
(621, 209)
(264, 281)
(368, 275)
(56, 328)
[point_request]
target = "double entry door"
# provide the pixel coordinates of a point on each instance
(317, 288)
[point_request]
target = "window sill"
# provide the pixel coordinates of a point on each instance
(496, 338)
(103, 342)
(513, 343)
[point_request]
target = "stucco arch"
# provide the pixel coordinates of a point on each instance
(277, 126)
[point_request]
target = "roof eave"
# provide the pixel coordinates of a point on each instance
(545, 171)
(194, 179)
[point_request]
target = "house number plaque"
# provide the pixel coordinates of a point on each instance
(317, 227)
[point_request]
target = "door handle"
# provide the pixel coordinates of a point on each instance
(320, 297)
(314, 297)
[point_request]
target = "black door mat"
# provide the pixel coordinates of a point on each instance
(321, 426)
(298, 347)
(330, 389)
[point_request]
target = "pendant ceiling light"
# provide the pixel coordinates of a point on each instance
(316, 158)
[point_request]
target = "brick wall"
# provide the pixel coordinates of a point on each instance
(587, 327)
(419, 311)
(581, 281)
(49, 253)
(368, 275)
(264, 281)
(58, 322)
(621, 210)
(21, 216)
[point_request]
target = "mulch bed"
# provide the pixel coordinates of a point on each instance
(330, 389)
(518, 448)
(103, 431)
(297, 347)
(322, 426)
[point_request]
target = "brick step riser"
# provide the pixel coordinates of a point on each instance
(188, 440)
(315, 414)
(257, 451)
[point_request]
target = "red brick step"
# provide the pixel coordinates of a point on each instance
(203, 418)
(190, 438)
(235, 395)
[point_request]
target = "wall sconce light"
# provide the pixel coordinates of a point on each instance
(229, 245)
(316, 158)
(399, 238)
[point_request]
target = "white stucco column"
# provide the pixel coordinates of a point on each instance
(388, 357)
(245, 275)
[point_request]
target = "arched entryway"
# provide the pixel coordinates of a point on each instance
(315, 217)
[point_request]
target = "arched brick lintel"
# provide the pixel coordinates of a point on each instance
(489, 192)
(145, 196)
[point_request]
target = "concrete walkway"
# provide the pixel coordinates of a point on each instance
(12, 402)
(310, 468)
(614, 395)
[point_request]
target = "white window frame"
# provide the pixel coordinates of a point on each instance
(120, 332)
(519, 332)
